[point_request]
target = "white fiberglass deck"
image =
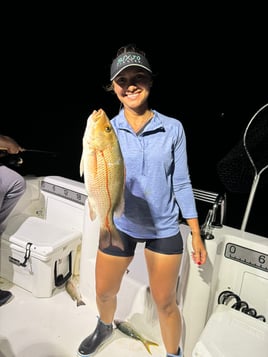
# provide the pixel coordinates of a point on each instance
(32, 326)
(55, 326)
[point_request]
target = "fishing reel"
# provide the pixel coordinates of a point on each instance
(10, 159)
(16, 159)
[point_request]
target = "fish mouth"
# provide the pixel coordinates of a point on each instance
(117, 322)
(96, 115)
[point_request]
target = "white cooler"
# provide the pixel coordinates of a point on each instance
(36, 255)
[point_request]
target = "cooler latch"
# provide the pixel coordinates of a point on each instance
(26, 256)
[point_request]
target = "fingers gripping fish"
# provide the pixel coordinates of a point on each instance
(104, 174)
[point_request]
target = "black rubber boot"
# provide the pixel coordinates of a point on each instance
(94, 341)
(179, 354)
(4, 296)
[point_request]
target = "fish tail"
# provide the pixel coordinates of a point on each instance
(110, 237)
(148, 343)
(80, 303)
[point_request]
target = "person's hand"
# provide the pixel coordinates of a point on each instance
(9, 145)
(199, 254)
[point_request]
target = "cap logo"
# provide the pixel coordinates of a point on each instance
(125, 60)
(129, 58)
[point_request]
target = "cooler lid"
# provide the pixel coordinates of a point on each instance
(45, 237)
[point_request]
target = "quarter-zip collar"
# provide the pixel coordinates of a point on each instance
(154, 125)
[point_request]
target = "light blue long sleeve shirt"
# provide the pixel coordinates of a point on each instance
(158, 186)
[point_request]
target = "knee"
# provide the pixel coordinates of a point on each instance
(164, 301)
(105, 294)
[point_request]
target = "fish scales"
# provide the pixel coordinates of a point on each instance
(129, 330)
(103, 168)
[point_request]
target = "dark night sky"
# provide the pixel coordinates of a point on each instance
(211, 73)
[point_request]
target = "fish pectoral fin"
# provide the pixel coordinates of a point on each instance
(92, 210)
(92, 214)
(82, 166)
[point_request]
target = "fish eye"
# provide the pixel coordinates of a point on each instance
(107, 129)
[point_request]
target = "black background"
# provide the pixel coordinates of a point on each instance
(211, 74)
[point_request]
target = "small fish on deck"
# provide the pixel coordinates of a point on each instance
(129, 330)
(72, 289)
(104, 174)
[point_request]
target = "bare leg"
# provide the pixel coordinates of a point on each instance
(163, 275)
(109, 273)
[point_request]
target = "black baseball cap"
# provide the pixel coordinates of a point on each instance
(128, 59)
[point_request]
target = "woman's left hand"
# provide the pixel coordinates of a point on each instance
(199, 254)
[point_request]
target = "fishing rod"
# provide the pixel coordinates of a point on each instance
(16, 159)
(4, 151)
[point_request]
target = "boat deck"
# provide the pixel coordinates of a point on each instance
(55, 326)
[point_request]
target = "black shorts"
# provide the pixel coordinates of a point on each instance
(169, 245)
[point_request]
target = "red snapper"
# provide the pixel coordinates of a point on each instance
(104, 175)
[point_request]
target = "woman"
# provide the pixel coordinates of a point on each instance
(157, 189)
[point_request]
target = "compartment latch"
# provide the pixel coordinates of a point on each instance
(26, 256)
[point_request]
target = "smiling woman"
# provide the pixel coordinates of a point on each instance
(157, 190)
